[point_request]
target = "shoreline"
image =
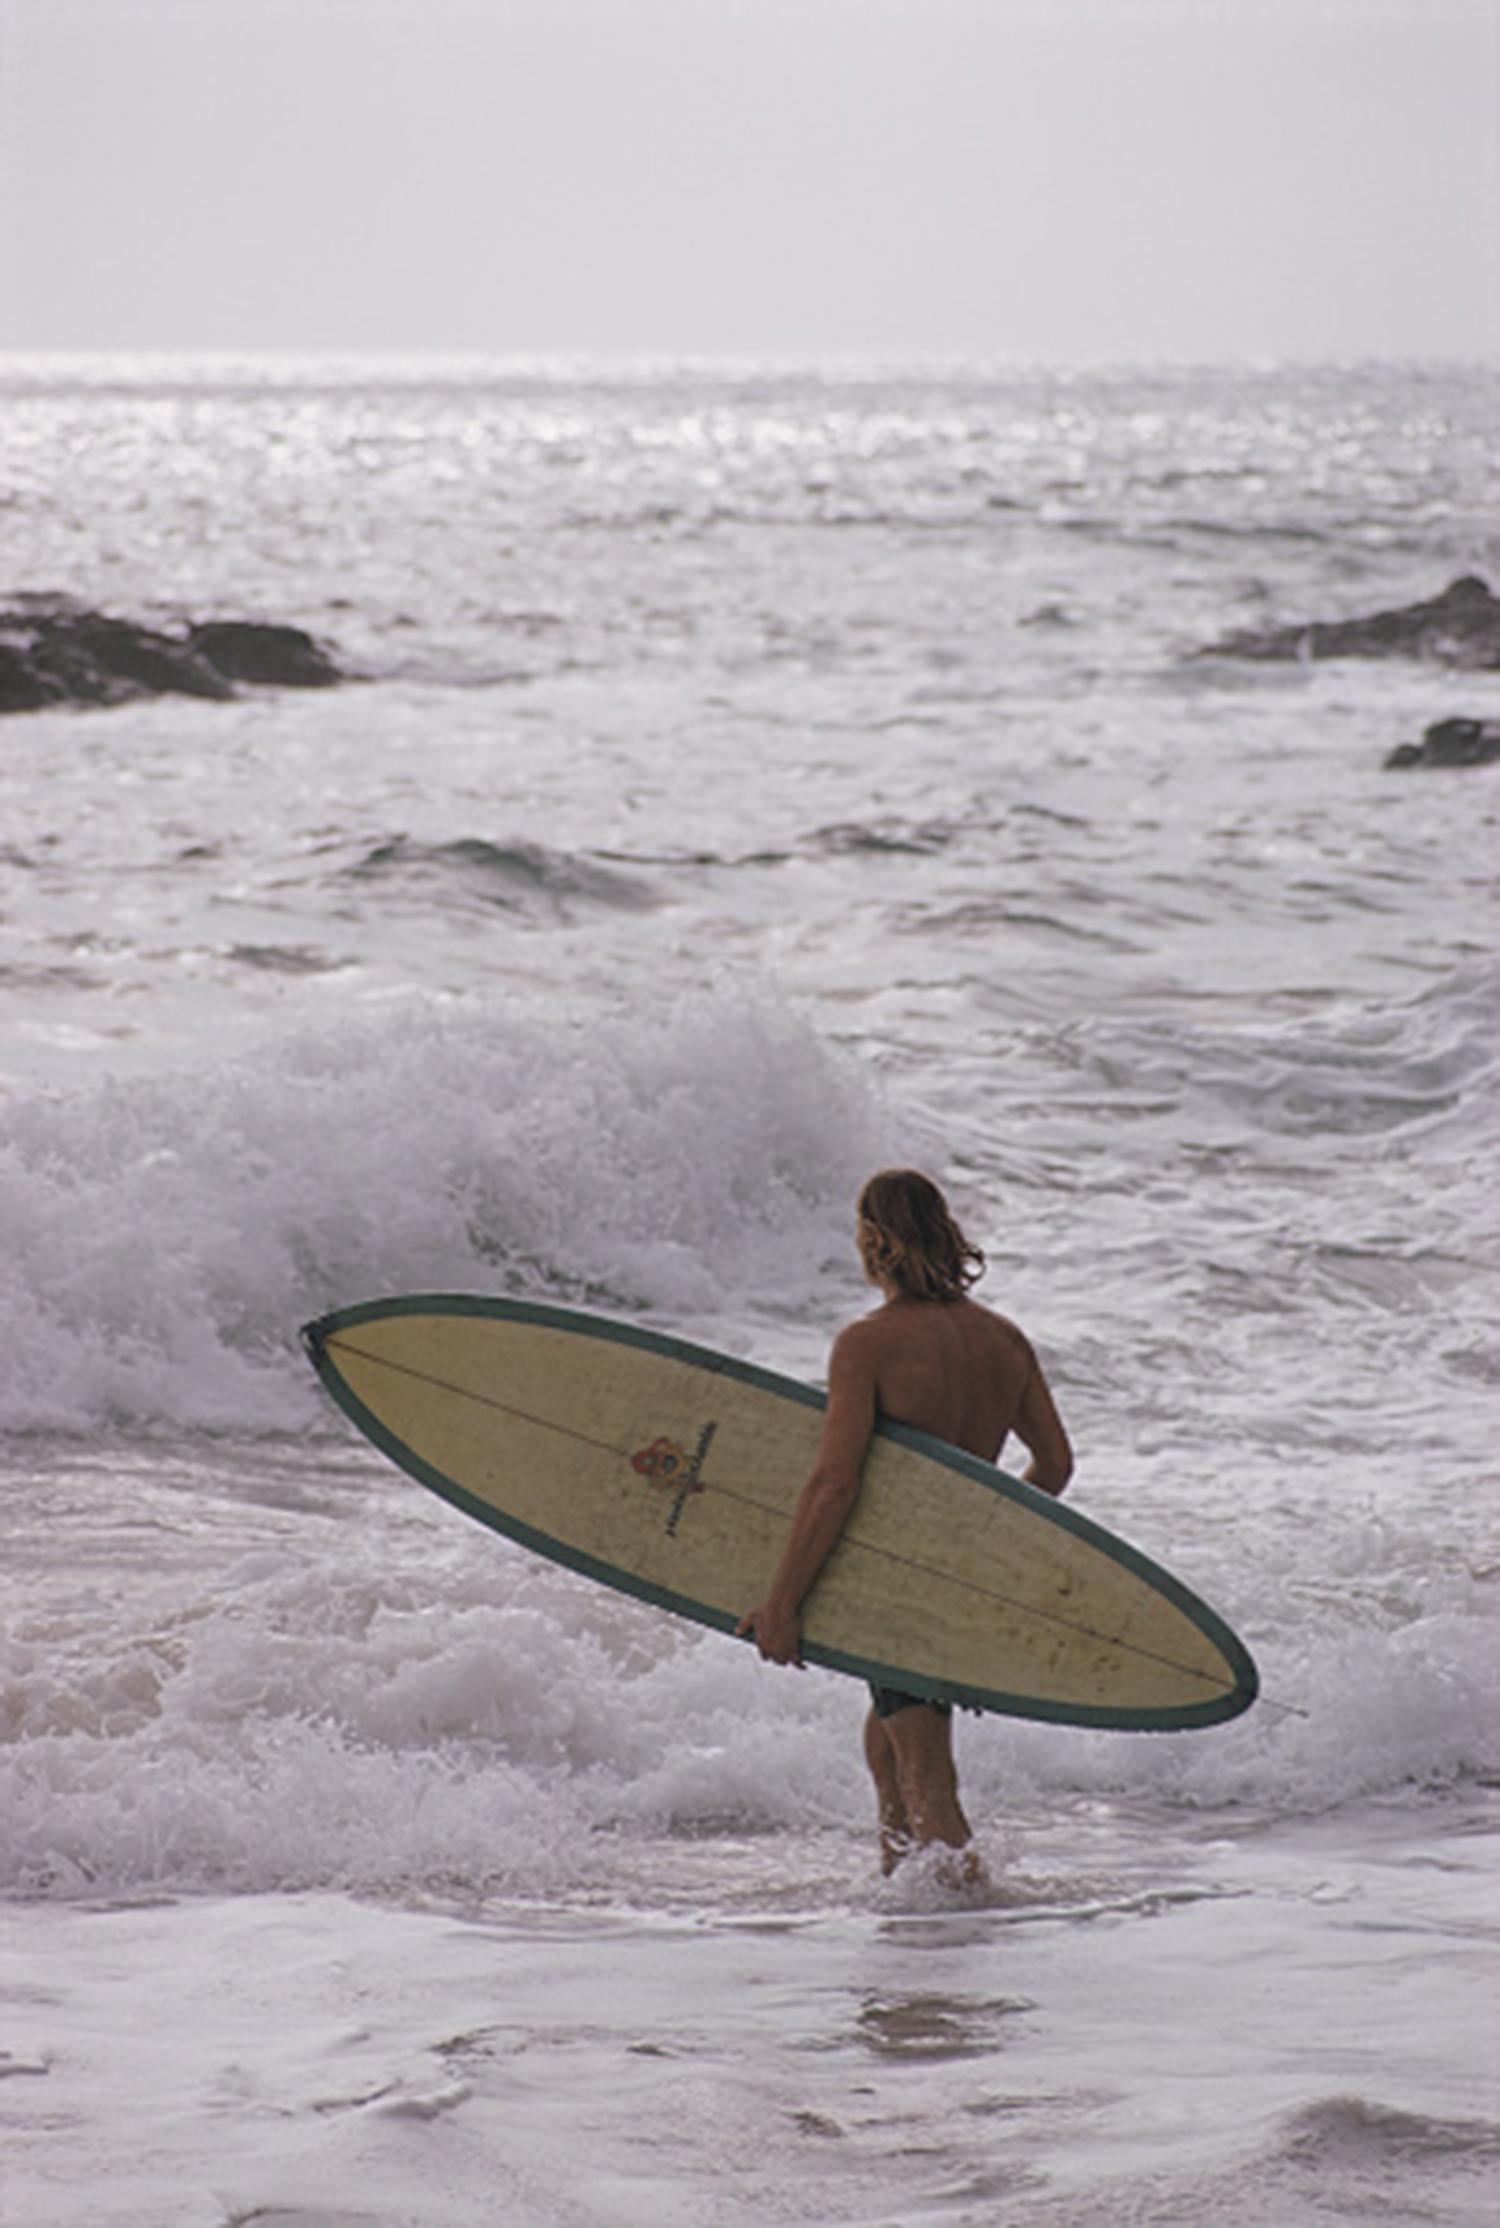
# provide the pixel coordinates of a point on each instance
(337, 2059)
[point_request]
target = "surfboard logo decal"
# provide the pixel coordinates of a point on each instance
(670, 1466)
(661, 1461)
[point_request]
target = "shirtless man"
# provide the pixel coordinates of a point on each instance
(931, 1357)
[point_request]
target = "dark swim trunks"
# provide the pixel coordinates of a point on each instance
(889, 1699)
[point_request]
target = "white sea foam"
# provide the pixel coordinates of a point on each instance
(322, 1677)
(166, 1236)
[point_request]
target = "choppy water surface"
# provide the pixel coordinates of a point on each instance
(753, 778)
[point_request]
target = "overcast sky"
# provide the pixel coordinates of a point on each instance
(1061, 180)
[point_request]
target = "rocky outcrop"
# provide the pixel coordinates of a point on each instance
(1459, 627)
(52, 652)
(269, 657)
(1452, 742)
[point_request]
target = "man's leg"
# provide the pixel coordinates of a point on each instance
(895, 1826)
(921, 1744)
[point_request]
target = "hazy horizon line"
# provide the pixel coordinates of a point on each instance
(648, 360)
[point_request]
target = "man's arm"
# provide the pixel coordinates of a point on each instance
(1040, 1426)
(826, 1502)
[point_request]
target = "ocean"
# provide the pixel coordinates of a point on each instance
(749, 775)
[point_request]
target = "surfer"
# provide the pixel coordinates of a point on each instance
(931, 1357)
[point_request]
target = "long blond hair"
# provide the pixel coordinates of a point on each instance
(908, 1238)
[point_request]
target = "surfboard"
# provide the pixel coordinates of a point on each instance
(670, 1472)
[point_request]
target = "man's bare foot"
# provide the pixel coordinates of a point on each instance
(962, 1868)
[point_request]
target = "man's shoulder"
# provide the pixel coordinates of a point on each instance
(990, 1332)
(893, 1325)
(863, 1336)
(1000, 1326)
(869, 1339)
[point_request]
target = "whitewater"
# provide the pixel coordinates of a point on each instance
(747, 776)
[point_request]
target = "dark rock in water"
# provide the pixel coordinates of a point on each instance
(102, 660)
(275, 657)
(1459, 627)
(22, 687)
(53, 652)
(1452, 742)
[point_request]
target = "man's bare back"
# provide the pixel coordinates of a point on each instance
(945, 1366)
(964, 1374)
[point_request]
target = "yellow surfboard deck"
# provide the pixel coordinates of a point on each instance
(671, 1472)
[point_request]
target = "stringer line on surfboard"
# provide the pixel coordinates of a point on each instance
(746, 1500)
